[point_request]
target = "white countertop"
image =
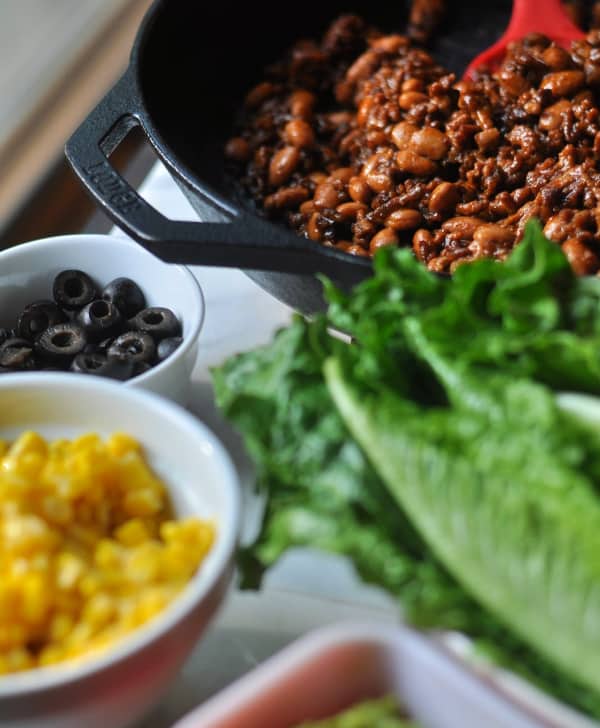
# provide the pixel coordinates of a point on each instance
(305, 590)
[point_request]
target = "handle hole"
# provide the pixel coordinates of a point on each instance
(131, 154)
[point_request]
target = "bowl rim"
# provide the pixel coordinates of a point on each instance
(195, 317)
(60, 675)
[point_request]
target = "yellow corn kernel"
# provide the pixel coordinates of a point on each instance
(60, 627)
(89, 585)
(151, 604)
(12, 635)
(50, 655)
(27, 533)
(57, 510)
(119, 444)
(144, 562)
(98, 611)
(143, 502)
(18, 659)
(85, 443)
(132, 533)
(28, 442)
(108, 554)
(69, 570)
(35, 598)
(79, 636)
(176, 563)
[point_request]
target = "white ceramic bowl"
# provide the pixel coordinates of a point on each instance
(116, 688)
(28, 270)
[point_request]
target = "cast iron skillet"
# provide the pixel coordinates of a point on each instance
(191, 65)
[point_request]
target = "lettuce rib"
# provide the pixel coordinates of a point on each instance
(513, 523)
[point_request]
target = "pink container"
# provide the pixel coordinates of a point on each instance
(333, 668)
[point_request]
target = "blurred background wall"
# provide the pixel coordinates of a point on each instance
(57, 59)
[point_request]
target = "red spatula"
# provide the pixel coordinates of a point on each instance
(529, 16)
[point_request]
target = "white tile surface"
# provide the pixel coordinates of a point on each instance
(39, 39)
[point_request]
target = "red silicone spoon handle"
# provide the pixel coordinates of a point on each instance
(530, 16)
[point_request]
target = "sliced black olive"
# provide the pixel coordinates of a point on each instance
(100, 319)
(17, 354)
(100, 346)
(167, 346)
(60, 343)
(126, 295)
(134, 345)
(74, 289)
(37, 317)
(160, 323)
(102, 366)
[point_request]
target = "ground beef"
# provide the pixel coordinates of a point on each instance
(363, 141)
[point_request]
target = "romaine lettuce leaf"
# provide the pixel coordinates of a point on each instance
(503, 505)
(470, 365)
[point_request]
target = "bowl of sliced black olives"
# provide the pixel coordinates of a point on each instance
(99, 305)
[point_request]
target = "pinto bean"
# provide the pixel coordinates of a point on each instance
(359, 190)
(318, 177)
(563, 83)
(444, 198)
(489, 237)
(326, 196)
(583, 260)
(364, 110)
(551, 118)
(377, 173)
(299, 133)
(344, 174)
(411, 84)
(380, 181)
(408, 99)
(282, 165)
(307, 208)
(237, 149)
(357, 250)
(351, 210)
(403, 133)
(382, 239)
(362, 67)
(302, 103)
(261, 92)
(430, 143)
(557, 58)
(463, 227)
(557, 227)
(389, 43)
(412, 163)
(423, 245)
(404, 219)
(286, 197)
(488, 139)
(339, 118)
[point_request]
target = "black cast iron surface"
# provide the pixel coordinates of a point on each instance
(191, 66)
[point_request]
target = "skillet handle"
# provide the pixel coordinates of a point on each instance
(240, 243)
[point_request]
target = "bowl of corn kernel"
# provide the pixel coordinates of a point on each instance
(118, 524)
